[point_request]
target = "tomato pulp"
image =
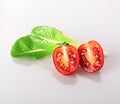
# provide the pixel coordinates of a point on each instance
(91, 56)
(66, 59)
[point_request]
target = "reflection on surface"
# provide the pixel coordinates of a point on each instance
(96, 76)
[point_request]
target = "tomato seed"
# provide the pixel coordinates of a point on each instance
(69, 53)
(82, 53)
(58, 59)
(96, 55)
(97, 64)
(74, 55)
(83, 50)
(59, 54)
(72, 62)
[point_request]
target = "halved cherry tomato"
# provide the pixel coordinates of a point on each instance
(66, 59)
(91, 56)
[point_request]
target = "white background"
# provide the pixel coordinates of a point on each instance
(37, 81)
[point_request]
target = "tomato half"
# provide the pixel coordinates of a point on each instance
(91, 56)
(66, 59)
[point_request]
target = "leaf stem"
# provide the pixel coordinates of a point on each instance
(63, 44)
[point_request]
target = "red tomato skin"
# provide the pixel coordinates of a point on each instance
(91, 45)
(66, 49)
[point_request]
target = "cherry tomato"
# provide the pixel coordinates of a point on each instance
(66, 59)
(91, 56)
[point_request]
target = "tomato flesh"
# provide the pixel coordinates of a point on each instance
(91, 56)
(66, 59)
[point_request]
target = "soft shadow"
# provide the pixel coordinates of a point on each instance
(96, 76)
(67, 80)
(24, 62)
(46, 63)
(111, 62)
